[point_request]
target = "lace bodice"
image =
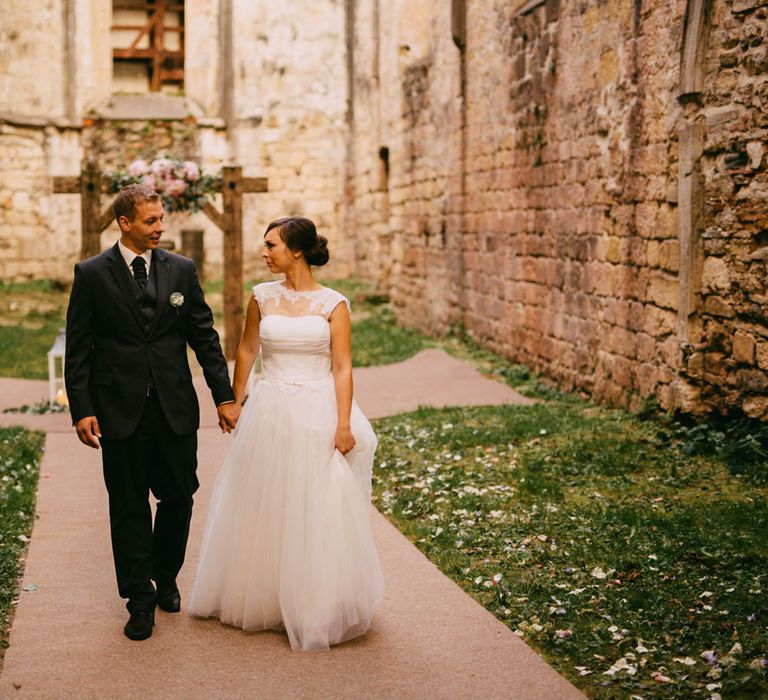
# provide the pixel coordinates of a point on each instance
(294, 332)
(276, 298)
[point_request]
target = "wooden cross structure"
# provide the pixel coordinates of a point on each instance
(89, 185)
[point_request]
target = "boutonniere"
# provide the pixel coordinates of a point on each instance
(177, 300)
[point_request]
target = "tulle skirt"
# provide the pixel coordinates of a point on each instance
(287, 542)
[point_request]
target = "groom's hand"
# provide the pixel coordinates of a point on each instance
(228, 416)
(88, 431)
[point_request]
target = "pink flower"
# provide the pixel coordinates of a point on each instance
(175, 188)
(162, 166)
(138, 167)
(149, 181)
(191, 170)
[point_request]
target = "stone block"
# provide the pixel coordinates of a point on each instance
(663, 290)
(761, 354)
(685, 397)
(658, 322)
(695, 365)
(743, 348)
(755, 406)
(652, 251)
(669, 256)
(716, 276)
(717, 306)
(752, 381)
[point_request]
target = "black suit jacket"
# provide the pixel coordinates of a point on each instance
(110, 358)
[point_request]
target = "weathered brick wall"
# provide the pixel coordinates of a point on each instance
(533, 191)
(37, 231)
(731, 368)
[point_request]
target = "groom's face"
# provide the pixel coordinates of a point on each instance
(145, 230)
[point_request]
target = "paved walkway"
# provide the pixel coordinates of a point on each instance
(429, 640)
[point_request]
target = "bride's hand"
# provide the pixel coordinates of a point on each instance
(344, 440)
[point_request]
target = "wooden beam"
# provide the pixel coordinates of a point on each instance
(147, 7)
(254, 184)
(145, 53)
(141, 26)
(213, 214)
(107, 217)
(66, 184)
(232, 194)
(90, 194)
(694, 48)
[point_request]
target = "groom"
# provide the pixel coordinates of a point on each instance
(132, 311)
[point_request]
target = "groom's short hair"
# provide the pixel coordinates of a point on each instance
(129, 197)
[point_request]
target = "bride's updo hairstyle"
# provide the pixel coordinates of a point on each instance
(299, 233)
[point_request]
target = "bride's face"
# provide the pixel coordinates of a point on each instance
(278, 256)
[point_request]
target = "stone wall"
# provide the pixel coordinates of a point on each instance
(262, 90)
(730, 362)
(535, 195)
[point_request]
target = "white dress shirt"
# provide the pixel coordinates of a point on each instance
(129, 256)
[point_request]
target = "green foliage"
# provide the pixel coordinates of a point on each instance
(739, 441)
(20, 454)
(378, 340)
(38, 408)
(31, 314)
(595, 536)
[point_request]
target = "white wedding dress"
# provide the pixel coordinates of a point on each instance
(288, 542)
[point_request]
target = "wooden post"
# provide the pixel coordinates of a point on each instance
(230, 221)
(192, 247)
(90, 195)
(232, 194)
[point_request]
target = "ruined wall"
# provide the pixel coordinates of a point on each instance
(289, 101)
(262, 90)
(405, 162)
(35, 137)
(730, 362)
(534, 187)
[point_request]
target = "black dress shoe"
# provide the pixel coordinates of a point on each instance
(140, 624)
(170, 601)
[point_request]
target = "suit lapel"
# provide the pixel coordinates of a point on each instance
(162, 266)
(125, 281)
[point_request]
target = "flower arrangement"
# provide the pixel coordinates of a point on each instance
(182, 184)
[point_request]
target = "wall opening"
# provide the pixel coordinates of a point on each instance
(147, 46)
(383, 184)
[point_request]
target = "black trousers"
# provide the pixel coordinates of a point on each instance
(155, 459)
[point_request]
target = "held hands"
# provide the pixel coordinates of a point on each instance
(229, 413)
(88, 431)
(344, 440)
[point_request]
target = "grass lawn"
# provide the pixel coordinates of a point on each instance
(31, 314)
(20, 454)
(636, 569)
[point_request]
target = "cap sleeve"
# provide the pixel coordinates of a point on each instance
(257, 294)
(332, 300)
(262, 293)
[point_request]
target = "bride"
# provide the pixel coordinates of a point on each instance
(287, 542)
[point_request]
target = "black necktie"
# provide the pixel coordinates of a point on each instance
(140, 271)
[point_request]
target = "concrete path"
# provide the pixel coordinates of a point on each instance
(429, 640)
